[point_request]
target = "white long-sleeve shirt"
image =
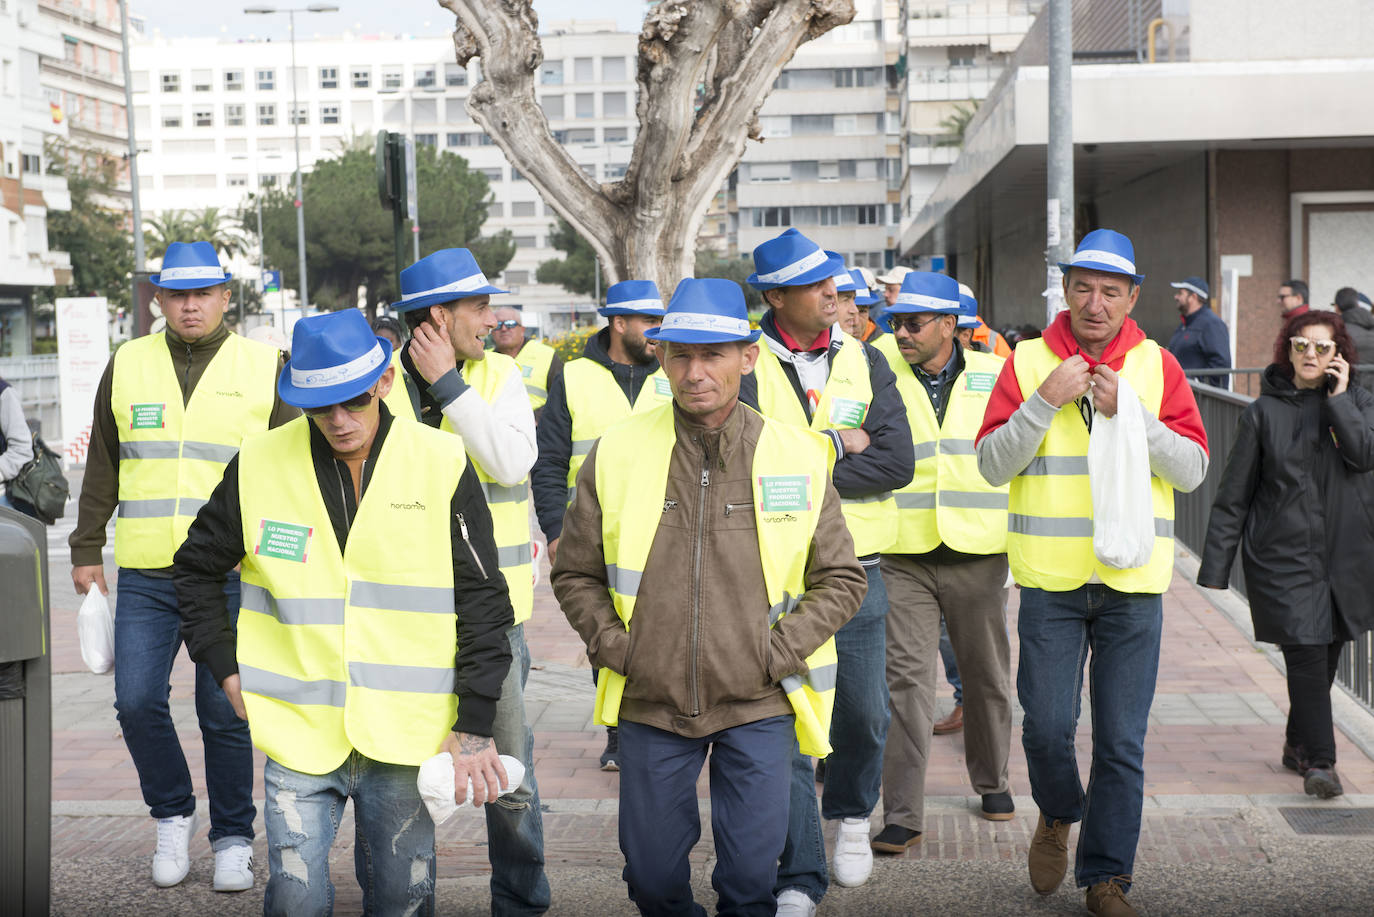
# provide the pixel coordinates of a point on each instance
(499, 435)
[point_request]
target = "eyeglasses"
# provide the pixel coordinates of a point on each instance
(1302, 345)
(912, 324)
(355, 405)
(1086, 411)
(507, 324)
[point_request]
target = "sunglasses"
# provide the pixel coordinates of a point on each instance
(507, 324)
(1302, 345)
(911, 324)
(355, 405)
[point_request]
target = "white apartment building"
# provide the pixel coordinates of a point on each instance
(27, 119)
(213, 120)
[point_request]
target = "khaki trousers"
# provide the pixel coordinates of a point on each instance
(972, 597)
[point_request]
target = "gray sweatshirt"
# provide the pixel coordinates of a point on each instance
(18, 440)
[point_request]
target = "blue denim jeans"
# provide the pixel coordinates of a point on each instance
(393, 854)
(660, 822)
(1058, 631)
(515, 827)
(858, 731)
(147, 629)
(951, 664)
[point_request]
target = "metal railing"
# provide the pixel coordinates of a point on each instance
(1221, 412)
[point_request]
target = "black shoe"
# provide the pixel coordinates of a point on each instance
(610, 758)
(1293, 759)
(895, 839)
(820, 771)
(1322, 782)
(998, 807)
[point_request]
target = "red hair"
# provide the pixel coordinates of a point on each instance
(1294, 328)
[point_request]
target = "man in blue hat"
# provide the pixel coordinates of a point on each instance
(170, 412)
(617, 374)
(1035, 436)
(373, 630)
(706, 565)
(1201, 340)
(811, 374)
(948, 562)
(480, 395)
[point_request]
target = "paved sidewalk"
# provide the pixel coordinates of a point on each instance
(1213, 840)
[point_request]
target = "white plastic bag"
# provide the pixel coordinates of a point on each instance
(1119, 473)
(435, 783)
(95, 627)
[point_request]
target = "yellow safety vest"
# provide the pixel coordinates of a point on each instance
(398, 399)
(352, 650)
(848, 393)
(948, 501)
(173, 453)
(509, 505)
(790, 471)
(596, 402)
(1050, 529)
(535, 358)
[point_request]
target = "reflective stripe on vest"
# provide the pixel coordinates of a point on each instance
(509, 504)
(631, 480)
(172, 453)
(844, 404)
(596, 401)
(1050, 528)
(355, 650)
(948, 501)
(535, 359)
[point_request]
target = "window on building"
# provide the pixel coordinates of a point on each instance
(142, 119)
(553, 107)
(584, 69)
(770, 172)
(394, 113)
(828, 170)
(301, 114)
(496, 209)
(171, 117)
(424, 77)
(846, 125)
(585, 105)
(493, 175)
(616, 170)
(613, 70)
(581, 135)
(392, 77)
(872, 214)
(590, 169)
(616, 135)
(515, 174)
(515, 278)
(524, 242)
(772, 216)
(233, 80)
(202, 80)
(236, 181)
(484, 139)
(813, 124)
(457, 110)
(267, 113)
(360, 77)
(203, 116)
(424, 111)
(961, 55)
(426, 139)
(30, 163)
(829, 216)
(265, 79)
(804, 216)
(139, 78)
(523, 209)
(171, 82)
(70, 48)
(329, 77)
(329, 112)
(361, 114)
(613, 105)
(457, 139)
(455, 75)
(805, 170)
(776, 125)
(551, 73)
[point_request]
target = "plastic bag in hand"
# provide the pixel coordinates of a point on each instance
(95, 627)
(1119, 474)
(435, 783)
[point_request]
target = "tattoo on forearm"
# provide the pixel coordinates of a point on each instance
(472, 745)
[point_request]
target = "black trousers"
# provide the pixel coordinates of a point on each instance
(1311, 672)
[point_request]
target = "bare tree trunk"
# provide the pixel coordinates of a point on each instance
(705, 68)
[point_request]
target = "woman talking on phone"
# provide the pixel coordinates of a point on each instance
(1297, 498)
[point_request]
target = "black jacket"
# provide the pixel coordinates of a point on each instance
(1297, 498)
(482, 606)
(1201, 341)
(1359, 324)
(549, 476)
(889, 462)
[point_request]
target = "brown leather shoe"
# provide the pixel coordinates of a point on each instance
(952, 723)
(1108, 899)
(1049, 854)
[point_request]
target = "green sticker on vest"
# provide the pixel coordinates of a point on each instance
(785, 493)
(284, 541)
(526, 370)
(146, 416)
(661, 387)
(846, 412)
(979, 382)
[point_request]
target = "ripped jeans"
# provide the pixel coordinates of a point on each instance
(393, 848)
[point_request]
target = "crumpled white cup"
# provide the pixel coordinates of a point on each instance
(435, 784)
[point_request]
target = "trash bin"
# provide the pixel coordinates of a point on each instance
(25, 716)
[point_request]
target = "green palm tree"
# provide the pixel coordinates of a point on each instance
(208, 225)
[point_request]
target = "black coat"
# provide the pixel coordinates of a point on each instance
(1297, 498)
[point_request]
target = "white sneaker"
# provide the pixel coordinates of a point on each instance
(172, 859)
(853, 855)
(795, 903)
(234, 869)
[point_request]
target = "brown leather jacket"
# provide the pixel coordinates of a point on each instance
(700, 656)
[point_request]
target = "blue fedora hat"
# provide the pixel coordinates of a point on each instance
(847, 281)
(334, 356)
(923, 291)
(446, 275)
(1105, 250)
(632, 297)
(864, 296)
(706, 311)
(792, 260)
(968, 308)
(190, 266)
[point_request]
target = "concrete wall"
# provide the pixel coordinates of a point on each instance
(1280, 29)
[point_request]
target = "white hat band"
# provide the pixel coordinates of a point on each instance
(338, 375)
(921, 299)
(702, 321)
(462, 285)
(1102, 257)
(192, 272)
(638, 305)
(796, 268)
(1185, 285)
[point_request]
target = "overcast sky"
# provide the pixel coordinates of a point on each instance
(178, 18)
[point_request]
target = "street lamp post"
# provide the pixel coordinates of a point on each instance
(296, 121)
